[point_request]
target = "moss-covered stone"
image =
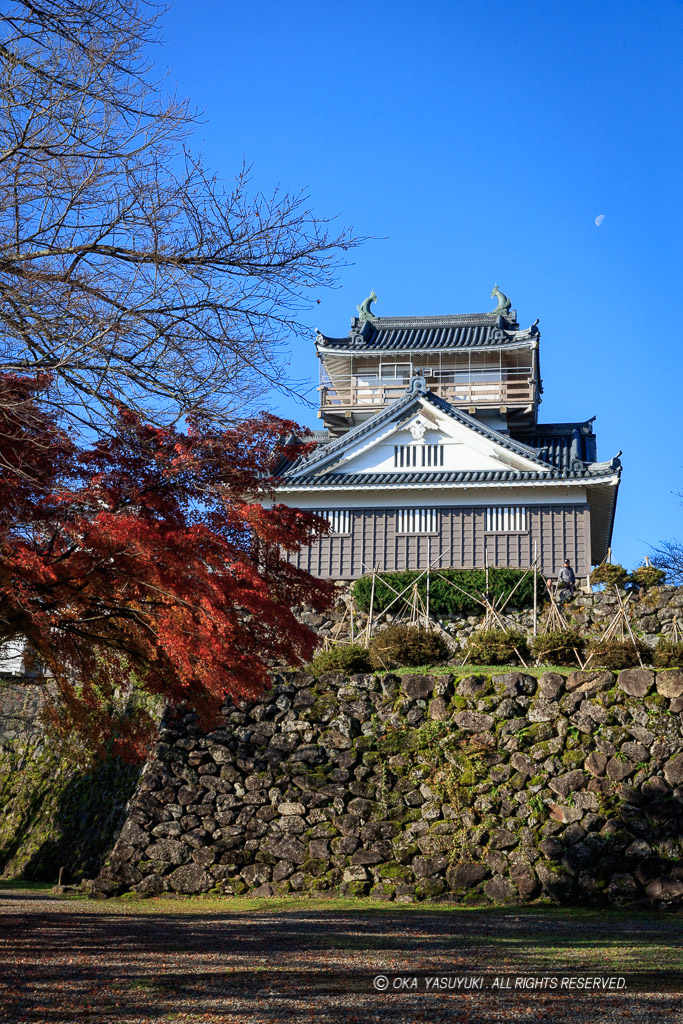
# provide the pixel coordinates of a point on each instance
(404, 854)
(323, 708)
(354, 888)
(458, 703)
(315, 867)
(383, 891)
(394, 870)
(314, 883)
(152, 867)
(428, 888)
(655, 702)
(55, 815)
(574, 758)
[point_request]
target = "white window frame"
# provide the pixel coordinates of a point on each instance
(340, 520)
(417, 521)
(406, 456)
(506, 519)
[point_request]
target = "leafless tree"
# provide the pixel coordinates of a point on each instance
(127, 271)
(669, 556)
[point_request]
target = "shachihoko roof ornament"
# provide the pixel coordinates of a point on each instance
(503, 307)
(417, 385)
(364, 308)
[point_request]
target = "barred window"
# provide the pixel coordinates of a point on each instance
(424, 456)
(506, 519)
(338, 518)
(417, 520)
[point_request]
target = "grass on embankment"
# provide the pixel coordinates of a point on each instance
(482, 670)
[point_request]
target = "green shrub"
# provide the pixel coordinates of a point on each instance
(559, 647)
(647, 576)
(445, 599)
(496, 647)
(611, 574)
(617, 654)
(346, 658)
(667, 653)
(407, 646)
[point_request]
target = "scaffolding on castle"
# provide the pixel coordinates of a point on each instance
(413, 609)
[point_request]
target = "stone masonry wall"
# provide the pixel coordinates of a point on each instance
(501, 787)
(53, 814)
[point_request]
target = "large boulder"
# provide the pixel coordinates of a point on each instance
(589, 682)
(636, 682)
(514, 684)
(673, 770)
(474, 721)
(190, 879)
(417, 686)
(168, 850)
(670, 684)
(471, 686)
(551, 686)
(500, 889)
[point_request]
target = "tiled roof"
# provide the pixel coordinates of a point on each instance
(411, 333)
(600, 470)
(320, 436)
(561, 444)
(560, 458)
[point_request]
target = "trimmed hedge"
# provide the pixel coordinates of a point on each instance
(402, 646)
(496, 647)
(611, 574)
(347, 658)
(559, 647)
(647, 576)
(617, 654)
(668, 653)
(444, 599)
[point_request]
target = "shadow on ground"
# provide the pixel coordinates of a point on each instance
(71, 962)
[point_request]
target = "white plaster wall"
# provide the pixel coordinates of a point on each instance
(421, 496)
(464, 450)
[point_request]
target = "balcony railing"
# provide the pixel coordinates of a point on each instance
(351, 393)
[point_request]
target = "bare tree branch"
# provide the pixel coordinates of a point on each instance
(127, 271)
(668, 555)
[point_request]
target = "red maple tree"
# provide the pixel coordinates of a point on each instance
(148, 563)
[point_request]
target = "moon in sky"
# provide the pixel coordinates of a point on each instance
(599, 219)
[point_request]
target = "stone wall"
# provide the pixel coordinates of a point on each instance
(53, 814)
(652, 613)
(502, 787)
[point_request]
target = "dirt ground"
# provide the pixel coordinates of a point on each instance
(70, 961)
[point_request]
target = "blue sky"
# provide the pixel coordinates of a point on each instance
(477, 141)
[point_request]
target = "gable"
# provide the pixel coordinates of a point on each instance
(423, 434)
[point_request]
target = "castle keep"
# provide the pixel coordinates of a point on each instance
(432, 452)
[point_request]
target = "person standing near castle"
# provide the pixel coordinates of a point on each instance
(566, 579)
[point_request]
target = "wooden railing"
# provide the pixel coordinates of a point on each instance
(351, 394)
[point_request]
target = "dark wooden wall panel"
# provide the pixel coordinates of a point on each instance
(559, 531)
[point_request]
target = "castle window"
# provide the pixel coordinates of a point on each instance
(413, 456)
(338, 518)
(405, 456)
(432, 456)
(417, 520)
(506, 519)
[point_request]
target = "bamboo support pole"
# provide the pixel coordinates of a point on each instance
(372, 601)
(429, 577)
(535, 564)
(628, 625)
(414, 582)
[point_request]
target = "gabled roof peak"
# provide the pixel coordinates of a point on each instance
(415, 398)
